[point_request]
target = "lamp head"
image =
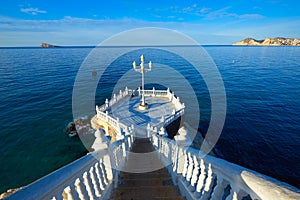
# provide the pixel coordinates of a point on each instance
(134, 65)
(142, 58)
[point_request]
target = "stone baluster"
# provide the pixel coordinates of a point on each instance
(153, 92)
(126, 90)
(195, 173)
(219, 189)
(129, 143)
(208, 183)
(103, 171)
(68, 194)
(81, 189)
(167, 150)
(88, 185)
(185, 166)
(99, 176)
(95, 183)
(200, 182)
(169, 94)
(175, 163)
(190, 167)
(180, 160)
(124, 149)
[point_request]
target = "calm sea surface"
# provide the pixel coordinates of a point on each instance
(262, 127)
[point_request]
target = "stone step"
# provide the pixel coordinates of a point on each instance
(144, 182)
(143, 175)
(146, 192)
(155, 198)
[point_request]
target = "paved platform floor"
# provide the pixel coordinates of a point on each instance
(128, 112)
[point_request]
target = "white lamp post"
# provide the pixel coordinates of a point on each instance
(142, 70)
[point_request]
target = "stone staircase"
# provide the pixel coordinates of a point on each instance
(147, 185)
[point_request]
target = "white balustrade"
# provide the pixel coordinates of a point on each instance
(208, 177)
(89, 177)
(72, 181)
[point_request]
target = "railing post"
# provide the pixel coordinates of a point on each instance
(99, 176)
(88, 185)
(185, 166)
(95, 183)
(208, 183)
(106, 104)
(153, 91)
(190, 168)
(176, 159)
(200, 182)
(195, 174)
(81, 189)
(70, 193)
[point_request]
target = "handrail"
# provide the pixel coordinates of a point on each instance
(114, 122)
(207, 176)
(89, 177)
(63, 181)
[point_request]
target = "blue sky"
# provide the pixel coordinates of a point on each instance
(88, 22)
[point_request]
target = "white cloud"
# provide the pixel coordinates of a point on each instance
(33, 11)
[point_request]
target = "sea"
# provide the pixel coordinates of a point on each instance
(261, 130)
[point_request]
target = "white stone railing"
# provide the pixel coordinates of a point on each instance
(164, 93)
(208, 177)
(90, 177)
(102, 111)
(115, 98)
(165, 121)
(114, 123)
(119, 151)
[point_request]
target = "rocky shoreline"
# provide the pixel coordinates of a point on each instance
(278, 41)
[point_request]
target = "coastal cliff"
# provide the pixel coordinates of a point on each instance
(278, 41)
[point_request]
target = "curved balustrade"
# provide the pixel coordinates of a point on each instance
(115, 98)
(208, 177)
(102, 111)
(89, 177)
(115, 123)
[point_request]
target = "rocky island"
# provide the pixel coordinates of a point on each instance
(278, 41)
(45, 45)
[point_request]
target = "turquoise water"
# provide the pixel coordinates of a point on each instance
(261, 130)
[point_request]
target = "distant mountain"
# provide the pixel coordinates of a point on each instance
(278, 41)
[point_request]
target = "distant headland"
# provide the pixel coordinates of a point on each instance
(278, 41)
(45, 45)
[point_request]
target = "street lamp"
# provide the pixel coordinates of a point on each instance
(142, 70)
